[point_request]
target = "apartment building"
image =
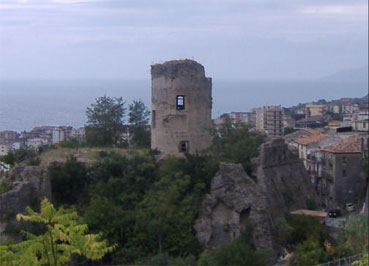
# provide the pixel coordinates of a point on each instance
(269, 120)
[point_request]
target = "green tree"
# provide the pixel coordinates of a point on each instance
(20, 155)
(139, 124)
(64, 237)
(234, 142)
(168, 212)
(363, 262)
(304, 227)
(236, 252)
(105, 120)
(354, 237)
(309, 252)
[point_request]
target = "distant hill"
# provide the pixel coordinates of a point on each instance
(354, 75)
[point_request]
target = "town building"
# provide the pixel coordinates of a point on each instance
(341, 180)
(241, 117)
(308, 144)
(360, 125)
(291, 138)
(269, 120)
(314, 110)
(334, 124)
(78, 134)
(5, 147)
(8, 135)
(181, 103)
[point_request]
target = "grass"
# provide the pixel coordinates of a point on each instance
(86, 155)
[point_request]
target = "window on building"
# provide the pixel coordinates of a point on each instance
(344, 160)
(344, 172)
(180, 102)
(183, 146)
(153, 118)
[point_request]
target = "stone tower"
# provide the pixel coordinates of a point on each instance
(180, 107)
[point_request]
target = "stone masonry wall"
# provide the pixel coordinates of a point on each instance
(169, 126)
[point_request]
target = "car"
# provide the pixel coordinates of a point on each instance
(334, 213)
(350, 207)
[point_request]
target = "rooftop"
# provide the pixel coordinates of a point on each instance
(312, 131)
(348, 145)
(335, 123)
(309, 213)
(311, 139)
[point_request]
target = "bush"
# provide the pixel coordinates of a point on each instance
(239, 253)
(207, 258)
(163, 259)
(354, 237)
(18, 156)
(235, 143)
(4, 186)
(68, 182)
(310, 204)
(310, 252)
(73, 143)
(33, 161)
(282, 231)
(305, 227)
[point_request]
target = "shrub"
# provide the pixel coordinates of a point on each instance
(310, 204)
(4, 186)
(33, 161)
(305, 227)
(239, 253)
(310, 252)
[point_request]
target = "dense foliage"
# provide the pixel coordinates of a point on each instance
(237, 252)
(147, 208)
(64, 236)
(69, 182)
(234, 142)
(306, 236)
(20, 155)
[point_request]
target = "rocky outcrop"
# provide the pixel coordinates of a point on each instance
(235, 200)
(28, 186)
(281, 185)
(283, 178)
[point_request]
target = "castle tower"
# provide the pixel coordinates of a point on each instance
(180, 107)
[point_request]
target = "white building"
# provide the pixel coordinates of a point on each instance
(5, 147)
(269, 119)
(58, 135)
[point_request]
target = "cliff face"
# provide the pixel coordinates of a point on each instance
(28, 185)
(236, 199)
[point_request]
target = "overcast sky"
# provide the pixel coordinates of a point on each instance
(243, 39)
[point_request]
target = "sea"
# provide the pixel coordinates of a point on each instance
(25, 104)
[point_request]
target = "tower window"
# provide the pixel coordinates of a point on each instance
(183, 146)
(180, 102)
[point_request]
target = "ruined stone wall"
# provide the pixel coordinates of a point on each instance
(349, 183)
(282, 185)
(284, 179)
(169, 126)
